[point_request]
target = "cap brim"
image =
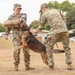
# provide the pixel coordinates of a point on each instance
(19, 8)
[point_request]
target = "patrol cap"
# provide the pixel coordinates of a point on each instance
(17, 6)
(44, 5)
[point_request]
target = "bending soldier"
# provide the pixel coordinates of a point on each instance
(58, 30)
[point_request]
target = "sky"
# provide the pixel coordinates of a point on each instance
(30, 7)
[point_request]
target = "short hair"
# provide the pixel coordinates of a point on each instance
(44, 5)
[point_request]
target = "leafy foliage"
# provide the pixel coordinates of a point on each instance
(70, 17)
(54, 4)
(67, 6)
(34, 24)
(47, 27)
(64, 6)
(2, 28)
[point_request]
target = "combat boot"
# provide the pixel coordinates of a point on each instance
(69, 67)
(29, 68)
(16, 67)
(51, 67)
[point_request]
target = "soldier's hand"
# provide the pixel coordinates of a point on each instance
(6, 37)
(38, 30)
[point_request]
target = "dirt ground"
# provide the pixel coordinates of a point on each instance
(7, 66)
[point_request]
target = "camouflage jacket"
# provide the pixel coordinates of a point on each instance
(16, 30)
(55, 20)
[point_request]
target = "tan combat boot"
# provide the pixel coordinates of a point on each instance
(29, 68)
(69, 67)
(16, 67)
(51, 67)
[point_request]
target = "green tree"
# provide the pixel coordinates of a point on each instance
(2, 28)
(54, 4)
(70, 17)
(46, 27)
(34, 24)
(66, 6)
(73, 26)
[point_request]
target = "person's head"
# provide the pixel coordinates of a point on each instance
(17, 8)
(43, 7)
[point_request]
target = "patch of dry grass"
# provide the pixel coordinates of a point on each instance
(7, 66)
(5, 43)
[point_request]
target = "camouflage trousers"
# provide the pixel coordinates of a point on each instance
(17, 43)
(50, 46)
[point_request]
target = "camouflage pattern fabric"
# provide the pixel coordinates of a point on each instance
(50, 45)
(17, 32)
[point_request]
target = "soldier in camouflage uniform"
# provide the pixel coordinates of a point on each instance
(58, 30)
(17, 32)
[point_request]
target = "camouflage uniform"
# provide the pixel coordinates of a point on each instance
(17, 32)
(58, 30)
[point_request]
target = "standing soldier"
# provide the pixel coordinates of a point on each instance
(58, 30)
(17, 33)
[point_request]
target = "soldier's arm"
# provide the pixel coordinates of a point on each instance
(7, 31)
(7, 28)
(42, 23)
(14, 22)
